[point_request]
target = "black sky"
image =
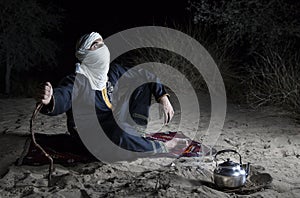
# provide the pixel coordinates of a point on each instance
(111, 16)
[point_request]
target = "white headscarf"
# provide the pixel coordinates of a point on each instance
(94, 64)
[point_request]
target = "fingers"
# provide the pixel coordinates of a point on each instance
(167, 118)
(171, 114)
(44, 93)
(167, 109)
(168, 114)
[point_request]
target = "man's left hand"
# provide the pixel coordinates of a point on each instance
(167, 109)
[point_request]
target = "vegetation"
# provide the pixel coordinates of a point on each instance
(254, 43)
(27, 32)
(264, 36)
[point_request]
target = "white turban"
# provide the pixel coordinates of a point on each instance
(94, 64)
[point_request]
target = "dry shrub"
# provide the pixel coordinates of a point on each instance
(274, 79)
(220, 50)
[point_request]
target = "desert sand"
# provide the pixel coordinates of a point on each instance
(268, 138)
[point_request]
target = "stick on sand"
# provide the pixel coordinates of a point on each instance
(34, 114)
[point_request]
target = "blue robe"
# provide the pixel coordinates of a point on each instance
(139, 103)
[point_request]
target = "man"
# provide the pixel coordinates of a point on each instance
(95, 74)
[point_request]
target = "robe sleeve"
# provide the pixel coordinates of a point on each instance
(62, 98)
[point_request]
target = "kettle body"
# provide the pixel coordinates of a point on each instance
(230, 174)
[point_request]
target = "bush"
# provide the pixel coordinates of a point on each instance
(264, 36)
(274, 79)
(249, 24)
(220, 51)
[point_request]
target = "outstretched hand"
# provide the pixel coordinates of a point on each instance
(167, 109)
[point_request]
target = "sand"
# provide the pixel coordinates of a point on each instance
(268, 138)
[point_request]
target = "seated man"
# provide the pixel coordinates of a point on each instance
(95, 73)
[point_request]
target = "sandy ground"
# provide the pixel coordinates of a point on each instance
(268, 138)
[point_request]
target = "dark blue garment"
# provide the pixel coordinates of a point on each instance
(138, 103)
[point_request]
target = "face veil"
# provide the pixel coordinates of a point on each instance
(94, 64)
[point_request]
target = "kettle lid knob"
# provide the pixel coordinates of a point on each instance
(229, 163)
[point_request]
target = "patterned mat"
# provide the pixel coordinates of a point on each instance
(67, 150)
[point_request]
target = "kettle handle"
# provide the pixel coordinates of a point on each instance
(227, 150)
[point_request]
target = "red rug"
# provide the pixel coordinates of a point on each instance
(194, 148)
(67, 150)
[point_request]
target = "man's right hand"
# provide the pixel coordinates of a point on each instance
(44, 93)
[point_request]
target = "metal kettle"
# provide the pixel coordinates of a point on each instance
(230, 174)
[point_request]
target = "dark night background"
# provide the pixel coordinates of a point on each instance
(254, 43)
(80, 17)
(110, 17)
(256, 46)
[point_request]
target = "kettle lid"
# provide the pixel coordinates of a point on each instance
(229, 163)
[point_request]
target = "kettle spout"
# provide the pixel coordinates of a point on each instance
(247, 169)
